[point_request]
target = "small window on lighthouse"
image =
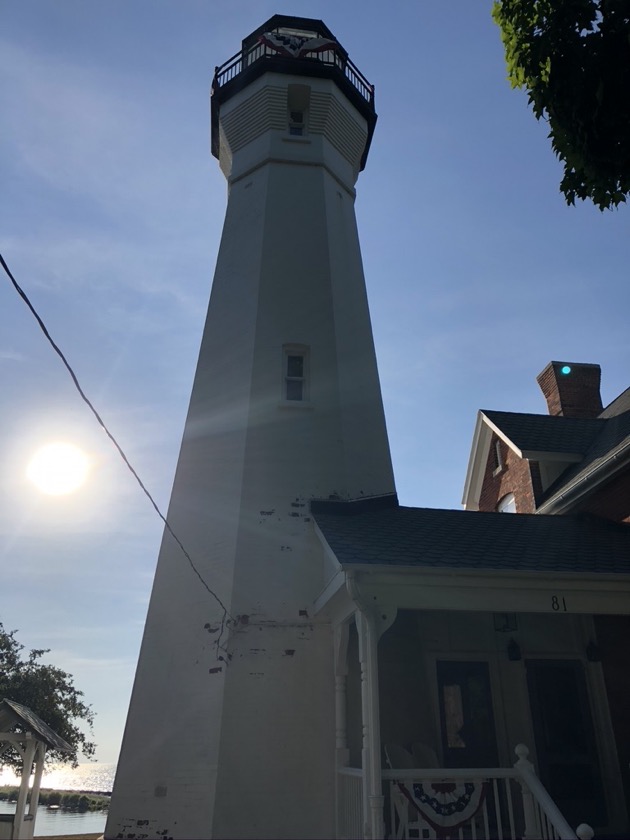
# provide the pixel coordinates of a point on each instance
(296, 123)
(298, 101)
(295, 370)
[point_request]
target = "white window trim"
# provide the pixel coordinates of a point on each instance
(497, 454)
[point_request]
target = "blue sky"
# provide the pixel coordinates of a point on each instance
(477, 273)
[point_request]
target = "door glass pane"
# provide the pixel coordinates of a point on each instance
(467, 718)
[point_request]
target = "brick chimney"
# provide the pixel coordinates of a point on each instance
(571, 389)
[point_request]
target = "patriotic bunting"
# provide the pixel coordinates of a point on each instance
(295, 46)
(445, 806)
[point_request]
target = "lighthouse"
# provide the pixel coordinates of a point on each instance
(231, 725)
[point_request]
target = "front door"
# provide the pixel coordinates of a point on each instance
(565, 741)
(466, 714)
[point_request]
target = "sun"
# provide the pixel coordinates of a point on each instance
(58, 468)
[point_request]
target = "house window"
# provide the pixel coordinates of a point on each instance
(295, 372)
(498, 458)
(507, 504)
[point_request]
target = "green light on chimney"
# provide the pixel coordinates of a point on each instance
(565, 369)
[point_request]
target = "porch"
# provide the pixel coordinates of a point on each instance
(444, 804)
(429, 705)
(470, 633)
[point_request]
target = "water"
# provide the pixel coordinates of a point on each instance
(95, 778)
(52, 823)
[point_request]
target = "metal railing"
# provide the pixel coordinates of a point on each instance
(244, 59)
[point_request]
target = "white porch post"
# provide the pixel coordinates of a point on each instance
(341, 681)
(341, 734)
(373, 799)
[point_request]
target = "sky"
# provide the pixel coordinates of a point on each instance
(111, 210)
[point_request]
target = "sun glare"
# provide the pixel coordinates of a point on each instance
(58, 468)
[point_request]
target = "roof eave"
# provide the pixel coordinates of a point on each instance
(566, 498)
(476, 464)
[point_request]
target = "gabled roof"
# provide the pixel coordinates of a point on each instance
(596, 446)
(620, 405)
(13, 713)
(545, 433)
(454, 539)
(608, 453)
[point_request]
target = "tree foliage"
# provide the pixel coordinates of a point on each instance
(573, 58)
(50, 693)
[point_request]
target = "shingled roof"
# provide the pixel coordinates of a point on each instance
(607, 447)
(470, 540)
(13, 713)
(547, 433)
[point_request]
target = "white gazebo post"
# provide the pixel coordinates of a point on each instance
(20, 809)
(40, 756)
(31, 744)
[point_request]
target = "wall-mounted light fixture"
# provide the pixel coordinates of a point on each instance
(504, 622)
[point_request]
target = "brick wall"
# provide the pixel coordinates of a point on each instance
(517, 476)
(572, 394)
(611, 501)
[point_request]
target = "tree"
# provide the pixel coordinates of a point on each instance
(50, 693)
(573, 58)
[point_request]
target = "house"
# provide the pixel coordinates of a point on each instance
(305, 628)
(573, 461)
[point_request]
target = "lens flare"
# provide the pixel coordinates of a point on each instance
(58, 469)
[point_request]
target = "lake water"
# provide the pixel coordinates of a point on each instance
(52, 823)
(95, 778)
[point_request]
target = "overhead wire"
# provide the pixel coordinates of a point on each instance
(101, 422)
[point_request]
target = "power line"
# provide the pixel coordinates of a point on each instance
(101, 423)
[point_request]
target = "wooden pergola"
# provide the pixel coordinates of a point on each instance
(32, 742)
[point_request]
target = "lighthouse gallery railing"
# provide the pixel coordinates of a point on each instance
(260, 52)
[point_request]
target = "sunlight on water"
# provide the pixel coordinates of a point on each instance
(97, 778)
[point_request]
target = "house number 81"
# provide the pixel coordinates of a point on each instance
(558, 604)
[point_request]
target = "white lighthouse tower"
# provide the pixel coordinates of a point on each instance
(230, 731)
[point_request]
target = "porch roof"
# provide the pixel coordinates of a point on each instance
(425, 537)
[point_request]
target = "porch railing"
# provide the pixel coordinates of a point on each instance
(350, 803)
(514, 804)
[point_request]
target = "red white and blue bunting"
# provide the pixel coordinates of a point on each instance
(445, 806)
(295, 46)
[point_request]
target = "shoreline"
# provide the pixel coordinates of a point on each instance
(94, 836)
(64, 800)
